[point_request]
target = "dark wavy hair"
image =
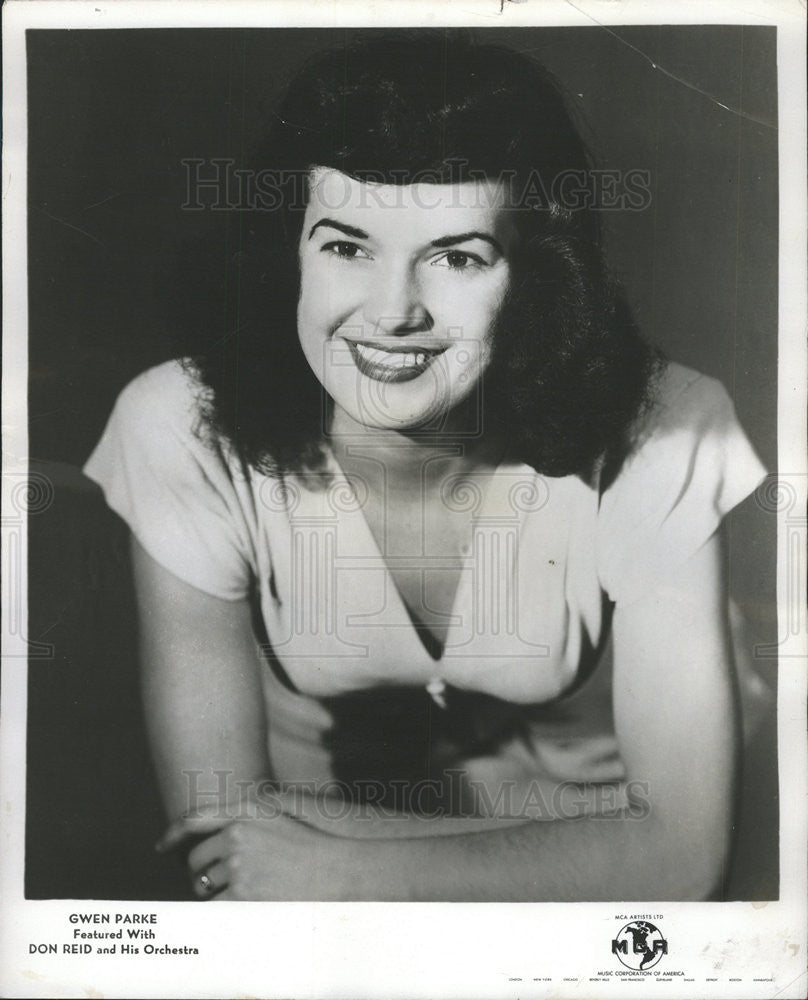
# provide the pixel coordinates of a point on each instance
(569, 373)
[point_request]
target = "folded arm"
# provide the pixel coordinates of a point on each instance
(201, 691)
(676, 724)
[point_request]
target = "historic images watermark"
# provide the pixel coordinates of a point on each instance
(218, 184)
(780, 495)
(450, 795)
(25, 495)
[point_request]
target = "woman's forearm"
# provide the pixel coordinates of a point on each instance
(622, 857)
(588, 859)
(540, 798)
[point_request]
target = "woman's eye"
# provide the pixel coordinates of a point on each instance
(346, 250)
(460, 260)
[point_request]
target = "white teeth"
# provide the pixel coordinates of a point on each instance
(391, 359)
(371, 354)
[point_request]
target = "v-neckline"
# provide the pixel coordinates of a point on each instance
(463, 582)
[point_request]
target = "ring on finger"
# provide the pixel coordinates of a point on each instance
(206, 883)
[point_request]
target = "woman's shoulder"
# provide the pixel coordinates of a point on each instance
(175, 490)
(689, 464)
(159, 425)
(165, 407)
(689, 426)
(684, 403)
(166, 390)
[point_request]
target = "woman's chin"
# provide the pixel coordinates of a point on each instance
(404, 423)
(393, 407)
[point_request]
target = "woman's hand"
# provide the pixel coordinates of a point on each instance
(676, 723)
(276, 858)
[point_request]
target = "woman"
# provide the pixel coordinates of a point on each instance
(389, 523)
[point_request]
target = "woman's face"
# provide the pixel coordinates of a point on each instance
(400, 289)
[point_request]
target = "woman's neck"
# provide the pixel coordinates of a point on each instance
(405, 454)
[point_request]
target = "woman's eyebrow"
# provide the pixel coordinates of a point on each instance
(448, 241)
(358, 234)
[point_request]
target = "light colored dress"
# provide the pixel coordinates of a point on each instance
(524, 675)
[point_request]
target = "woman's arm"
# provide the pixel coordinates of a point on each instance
(201, 690)
(677, 726)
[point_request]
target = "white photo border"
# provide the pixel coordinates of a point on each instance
(414, 950)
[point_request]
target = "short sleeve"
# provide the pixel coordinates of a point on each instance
(174, 489)
(693, 463)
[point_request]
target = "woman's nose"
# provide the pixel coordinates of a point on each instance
(395, 304)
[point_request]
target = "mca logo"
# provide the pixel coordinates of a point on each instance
(639, 945)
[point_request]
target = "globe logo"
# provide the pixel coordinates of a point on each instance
(639, 945)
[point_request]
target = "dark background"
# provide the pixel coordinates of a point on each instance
(111, 116)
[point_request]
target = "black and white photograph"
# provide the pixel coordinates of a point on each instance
(404, 488)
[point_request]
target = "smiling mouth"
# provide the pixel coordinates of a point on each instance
(399, 364)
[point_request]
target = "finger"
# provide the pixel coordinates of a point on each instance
(187, 826)
(210, 883)
(215, 848)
